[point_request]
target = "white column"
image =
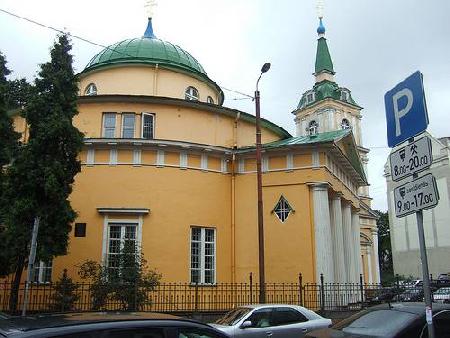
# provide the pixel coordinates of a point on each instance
(322, 231)
(347, 240)
(338, 243)
(375, 253)
(369, 266)
(356, 246)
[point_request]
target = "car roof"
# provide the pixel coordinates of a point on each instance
(411, 307)
(260, 306)
(14, 324)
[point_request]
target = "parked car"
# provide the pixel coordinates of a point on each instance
(442, 295)
(106, 325)
(410, 295)
(275, 320)
(396, 320)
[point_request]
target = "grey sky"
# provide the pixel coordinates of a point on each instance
(373, 44)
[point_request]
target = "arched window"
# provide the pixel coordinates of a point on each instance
(91, 89)
(191, 94)
(345, 124)
(313, 128)
(209, 99)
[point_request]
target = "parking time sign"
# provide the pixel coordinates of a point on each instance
(406, 110)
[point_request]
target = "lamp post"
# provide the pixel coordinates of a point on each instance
(262, 282)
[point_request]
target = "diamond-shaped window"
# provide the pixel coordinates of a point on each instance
(283, 209)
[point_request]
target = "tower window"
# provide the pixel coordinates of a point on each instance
(109, 125)
(90, 90)
(191, 94)
(210, 100)
(310, 97)
(282, 209)
(344, 95)
(128, 121)
(345, 124)
(313, 127)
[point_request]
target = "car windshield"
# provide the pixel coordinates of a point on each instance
(368, 323)
(232, 317)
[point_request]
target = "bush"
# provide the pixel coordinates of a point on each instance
(65, 295)
(126, 281)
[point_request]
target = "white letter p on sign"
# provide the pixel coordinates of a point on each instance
(399, 114)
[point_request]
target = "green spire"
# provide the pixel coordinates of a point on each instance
(323, 58)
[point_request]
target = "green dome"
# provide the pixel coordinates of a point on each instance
(146, 51)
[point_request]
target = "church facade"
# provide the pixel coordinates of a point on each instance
(167, 166)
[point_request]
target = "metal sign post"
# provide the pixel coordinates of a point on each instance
(407, 116)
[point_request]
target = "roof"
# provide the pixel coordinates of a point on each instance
(323, 57)
(327, 89)
(149, 50)
(331, 138)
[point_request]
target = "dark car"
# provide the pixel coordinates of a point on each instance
(410, 295)
(106, 325)
(397, 320)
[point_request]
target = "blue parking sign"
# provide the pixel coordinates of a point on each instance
(406, 110)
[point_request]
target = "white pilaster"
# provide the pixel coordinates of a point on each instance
(338, 243)
(322, 231)
(377, 278)
(347, 240)
(369, 266)
(356, 245)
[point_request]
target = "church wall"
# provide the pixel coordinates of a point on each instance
(145, 80)
(177, 199)
(283, 262)
(173, 123)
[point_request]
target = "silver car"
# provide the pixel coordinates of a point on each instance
(270, 320)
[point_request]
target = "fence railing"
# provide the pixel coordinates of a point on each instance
(185, 297)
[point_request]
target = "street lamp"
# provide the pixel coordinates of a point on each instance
(262, 282)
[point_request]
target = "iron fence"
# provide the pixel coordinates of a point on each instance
(220, 297)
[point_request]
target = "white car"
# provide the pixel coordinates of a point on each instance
(270, 320)
(442, 295)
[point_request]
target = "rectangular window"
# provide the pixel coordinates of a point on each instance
(289, 161)
(204, 162)
(42, 272)
(118, 235)
(109, 125)
(223, 165)
(128, 121)
(203, 255)
(113, 157)
(148, 126)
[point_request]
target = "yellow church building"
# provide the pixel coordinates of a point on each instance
(166, 165)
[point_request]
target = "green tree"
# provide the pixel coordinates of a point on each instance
(8, 137)
(65, 295)
(18, 94)
(127, 280)
(384, 248)
(40, 180)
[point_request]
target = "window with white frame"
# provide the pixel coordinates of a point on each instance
(310, 97)
(345, 124)
(344, 95)
(191, 94)
(148, 125)
(313, 127)
(119, 234)
(282, 209)
(128, 121)
(203, 255)
(42, 272)
(109, 125)
(91, 89)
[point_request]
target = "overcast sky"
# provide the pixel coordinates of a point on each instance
(373, 44)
